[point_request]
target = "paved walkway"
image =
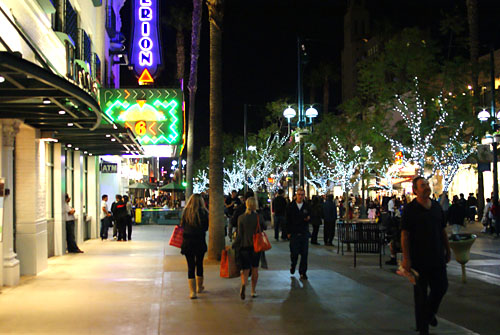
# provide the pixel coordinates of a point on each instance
(140, 287)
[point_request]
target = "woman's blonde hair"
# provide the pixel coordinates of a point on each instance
(251, 204)
(191, 214)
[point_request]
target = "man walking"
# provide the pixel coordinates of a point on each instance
(330, 216)
(425, 249)
(279, 209)
(298, 215)
(105, 217)
(70, 227)
(390, 206)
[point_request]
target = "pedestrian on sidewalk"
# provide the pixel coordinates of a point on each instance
(298, 216)
(240, 210)
(105, 217)
(194, 221)
(330, 217)
(456, 216)
(121, 218)
(316, 218)
(426, 249)
(70, 227)
(279, 209)
(128, 219)
(247, 226)
(114, 220)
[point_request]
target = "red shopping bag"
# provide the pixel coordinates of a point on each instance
(228, 268)
(260, 240)
(177, 237)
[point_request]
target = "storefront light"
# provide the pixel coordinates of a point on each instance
(46, 101)
(70, 124)
(62, 112)
(2, 79)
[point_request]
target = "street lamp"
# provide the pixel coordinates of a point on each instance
(492, 116)
(301, 125)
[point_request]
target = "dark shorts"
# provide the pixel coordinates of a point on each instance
(249, 258)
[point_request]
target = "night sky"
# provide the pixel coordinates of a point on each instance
(260, 55)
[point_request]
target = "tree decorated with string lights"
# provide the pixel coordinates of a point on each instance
(412, 109)
(320, 180)
(234, 177)
(265, 161)
(449, 158)
(201, 182)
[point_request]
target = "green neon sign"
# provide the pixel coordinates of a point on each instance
(155, 116)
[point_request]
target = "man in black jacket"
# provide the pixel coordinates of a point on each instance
(279, 210)
(298, 215)
(330, 216)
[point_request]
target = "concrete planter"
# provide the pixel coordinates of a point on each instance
(461, 244)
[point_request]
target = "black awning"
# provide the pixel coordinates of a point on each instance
(106, 140)
(48, 102)
(42, 99)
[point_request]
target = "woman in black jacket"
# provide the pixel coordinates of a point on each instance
(194, 221)
(247, 226)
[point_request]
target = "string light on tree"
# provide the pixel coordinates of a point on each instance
(412, 113)
(449, 159)
(234, 178)
(201, 182)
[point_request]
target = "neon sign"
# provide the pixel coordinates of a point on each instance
(155, 116)
(145, 54)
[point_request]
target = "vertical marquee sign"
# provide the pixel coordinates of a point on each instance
(155, 116)
(146, 53)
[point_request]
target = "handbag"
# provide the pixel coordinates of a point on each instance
(260, 240)
(228, 268)
(177, 237)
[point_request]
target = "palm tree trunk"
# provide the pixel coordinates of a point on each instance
(474, 58)
(216, 210)
(192, 87)
(180, 56)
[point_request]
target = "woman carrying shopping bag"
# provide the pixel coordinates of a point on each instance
(247, 226)
(194, 221)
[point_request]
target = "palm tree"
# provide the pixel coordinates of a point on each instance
(179, 20)
(474, 59)
(216, 210)
(192, 87)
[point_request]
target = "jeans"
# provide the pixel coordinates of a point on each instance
(279, 224)
(104, 228)
(427, 304)
(329, 232)
(195, 261)
(129, 227)
(122, 226)
(314, 237)
(70, 236)
(299, 245)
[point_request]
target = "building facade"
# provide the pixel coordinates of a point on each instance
(55, 57)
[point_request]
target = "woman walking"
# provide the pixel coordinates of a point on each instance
(247, 226)
(194, 221)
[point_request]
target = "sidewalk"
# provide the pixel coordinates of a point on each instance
(140, 287)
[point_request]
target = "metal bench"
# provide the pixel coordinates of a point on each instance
(346, 235)
(368, 240)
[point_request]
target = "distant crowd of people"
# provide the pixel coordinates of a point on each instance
(119, 217)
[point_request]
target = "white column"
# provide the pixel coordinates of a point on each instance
(94, 196)
(59, 186)
(10, 271)
(31, 220)
(78, 201)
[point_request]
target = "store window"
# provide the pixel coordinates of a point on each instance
(70, 174)
(49, 179)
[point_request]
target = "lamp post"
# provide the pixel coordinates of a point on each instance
(483, 116)
(311, 113)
